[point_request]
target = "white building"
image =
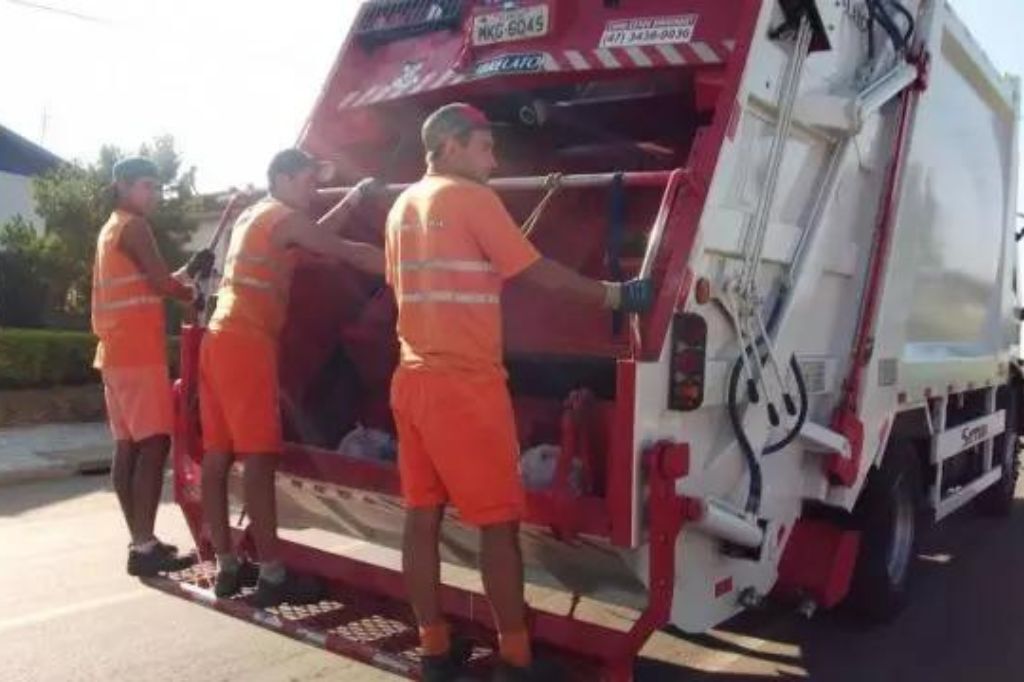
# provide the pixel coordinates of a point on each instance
(20, 161)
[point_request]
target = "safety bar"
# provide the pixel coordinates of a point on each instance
(541, 182)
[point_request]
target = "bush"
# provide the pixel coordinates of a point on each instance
(32, 358)
(42, 358)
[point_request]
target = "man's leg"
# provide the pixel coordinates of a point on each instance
(276, 585)
(421, 567)
(502, 569)
(261, 504)
(122, 473)
(216, 466)
(148, 484)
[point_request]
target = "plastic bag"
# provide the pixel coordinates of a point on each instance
(369, 444)
(539, 464)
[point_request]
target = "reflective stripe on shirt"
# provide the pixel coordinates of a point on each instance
(119, 281)
(128, 302)
(451, 297)
(446, 266)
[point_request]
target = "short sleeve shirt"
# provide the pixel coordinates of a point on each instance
(451, 244)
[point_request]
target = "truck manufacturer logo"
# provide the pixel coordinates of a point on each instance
(971, 435)
(514, 63)
(674, 30)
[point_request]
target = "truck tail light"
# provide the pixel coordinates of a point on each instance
(688, 356)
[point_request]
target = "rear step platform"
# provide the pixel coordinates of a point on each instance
(372, 629)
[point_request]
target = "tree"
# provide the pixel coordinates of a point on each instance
(26, 274)
(74, 202)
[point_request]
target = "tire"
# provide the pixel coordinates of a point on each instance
(888, 517)
(998, 501)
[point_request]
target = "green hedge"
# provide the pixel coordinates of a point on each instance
(40, 358)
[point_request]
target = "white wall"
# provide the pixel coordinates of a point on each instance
(16, 198)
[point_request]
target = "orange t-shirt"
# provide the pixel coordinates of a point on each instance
(450, 245)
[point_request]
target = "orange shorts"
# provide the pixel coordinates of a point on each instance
(238, 394)
(139, 402)
(457, 443)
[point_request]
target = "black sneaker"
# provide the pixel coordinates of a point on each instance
(449, 667)
(230, 583)
(540, 671)
(161, 559)
(294, 589)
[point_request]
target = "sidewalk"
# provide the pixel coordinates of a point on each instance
(29, 453)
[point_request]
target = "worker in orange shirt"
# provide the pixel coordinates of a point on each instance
(129, 283)
(450, 245)
(239, 405)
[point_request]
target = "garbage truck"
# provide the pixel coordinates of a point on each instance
(823, 193)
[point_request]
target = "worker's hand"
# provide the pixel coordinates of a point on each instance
(367, 187)
(200, 264)
(634, 296)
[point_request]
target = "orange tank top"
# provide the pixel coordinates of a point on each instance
(253, 294)
(127, 313)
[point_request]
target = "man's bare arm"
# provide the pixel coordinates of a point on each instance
(302, 232)
(138, 244)
(556, 278)
(336, 219)
(632, 296)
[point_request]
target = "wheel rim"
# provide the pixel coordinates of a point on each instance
(902, 536)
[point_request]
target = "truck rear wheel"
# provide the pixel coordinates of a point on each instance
(887, 516)
(998, 500)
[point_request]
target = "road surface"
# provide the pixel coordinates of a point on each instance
(69, 613)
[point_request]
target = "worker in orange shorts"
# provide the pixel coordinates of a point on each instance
(130, 282)
(450, 245)
(239, 406)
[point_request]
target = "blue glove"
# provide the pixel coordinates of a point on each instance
(637, 296)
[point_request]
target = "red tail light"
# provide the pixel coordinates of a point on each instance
(689, 351)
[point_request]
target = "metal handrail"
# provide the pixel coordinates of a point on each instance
(540, 182)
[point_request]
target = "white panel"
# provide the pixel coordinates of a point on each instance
(16, 199)
(960, 438)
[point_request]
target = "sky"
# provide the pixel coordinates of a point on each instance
(232, 80)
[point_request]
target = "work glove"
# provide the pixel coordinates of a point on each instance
(200, 264)
(634, 296)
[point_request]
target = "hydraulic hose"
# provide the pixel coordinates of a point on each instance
(753, 464)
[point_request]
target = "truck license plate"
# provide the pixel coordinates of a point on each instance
(511, 25)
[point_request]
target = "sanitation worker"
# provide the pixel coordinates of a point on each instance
(450, 245)
(130, 281)
(239, 399)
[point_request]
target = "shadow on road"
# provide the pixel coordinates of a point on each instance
(24, 497)
(965, 622)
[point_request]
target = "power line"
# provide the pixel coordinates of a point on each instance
(58, 10)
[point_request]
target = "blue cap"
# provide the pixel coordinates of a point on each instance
(135, 168)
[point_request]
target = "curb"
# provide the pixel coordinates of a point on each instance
(58, 465)
(37, 474)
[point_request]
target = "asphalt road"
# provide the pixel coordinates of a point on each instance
(68, 612)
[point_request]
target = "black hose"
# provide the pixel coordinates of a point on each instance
(753, 505)
(879, 14)
(754, 466)
(878, 11)
(801, 418)
(911, 24)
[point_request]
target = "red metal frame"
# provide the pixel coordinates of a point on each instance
(846, 420)
(818, 562)
(609, 653)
